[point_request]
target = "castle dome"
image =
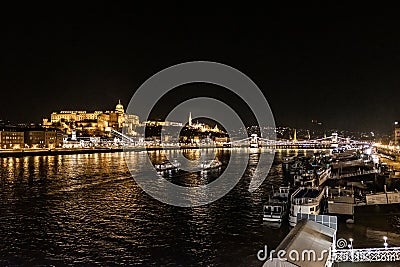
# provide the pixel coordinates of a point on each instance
(119, 107)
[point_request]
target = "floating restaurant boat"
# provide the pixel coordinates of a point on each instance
(167, 166)
(276, 209)
(305, 200)
(307, 171)
(210, 164)
(323, 174)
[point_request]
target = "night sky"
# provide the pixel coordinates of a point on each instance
(337, 68)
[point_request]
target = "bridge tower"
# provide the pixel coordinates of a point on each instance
(295, 136)
(334, 140)
(334, 137)
(254, 140)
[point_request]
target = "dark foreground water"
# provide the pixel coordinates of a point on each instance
(87, 210)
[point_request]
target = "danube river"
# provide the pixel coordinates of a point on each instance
(88, 210)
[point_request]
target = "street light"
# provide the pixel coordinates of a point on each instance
(385, 244)
(351, 242)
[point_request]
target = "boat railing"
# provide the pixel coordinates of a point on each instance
(273, 212)
(305, 200)
(276, 202)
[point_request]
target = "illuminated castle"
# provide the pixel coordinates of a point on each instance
(202, 127)
(93, 122)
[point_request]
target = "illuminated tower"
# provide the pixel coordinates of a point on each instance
(190, 119)
(119, 108)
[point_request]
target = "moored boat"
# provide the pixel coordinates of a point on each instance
(167, 166)
(305, 200)
(276, 209)
(210, 164)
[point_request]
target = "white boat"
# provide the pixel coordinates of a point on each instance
(323, 174)
(282, 193)
(305, 200)
(210, 164)
(312, 177)
(276, 209)
(167, 166)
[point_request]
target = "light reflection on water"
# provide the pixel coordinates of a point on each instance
(86, 209)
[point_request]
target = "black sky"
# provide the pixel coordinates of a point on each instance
(340, 68)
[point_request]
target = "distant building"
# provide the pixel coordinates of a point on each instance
(73, 116)
(164, 123)
(11, 138)
(397, 133)
(130, 123)
(202, 127)
(42, 138)
(93, 123)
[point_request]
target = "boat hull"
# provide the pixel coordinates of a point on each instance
(292, 220)
(273, 220)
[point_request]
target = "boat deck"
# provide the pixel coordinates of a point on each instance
(307, 193)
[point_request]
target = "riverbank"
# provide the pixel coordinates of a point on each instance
(51, 152)
(69, 151)
(4, 153)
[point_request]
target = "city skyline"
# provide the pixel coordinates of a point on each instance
(81, 114)
(342, 70)
(201, 136)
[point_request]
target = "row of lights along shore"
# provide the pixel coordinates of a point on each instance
(385, 244)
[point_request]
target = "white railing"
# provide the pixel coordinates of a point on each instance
(352, 174)
(122, 136)
(366, 255)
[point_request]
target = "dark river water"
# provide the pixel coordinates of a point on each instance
(88, 210)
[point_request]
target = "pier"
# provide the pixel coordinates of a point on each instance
(389, 151)
(338, 176)
(313, 243)
(309, 243)
(366, 255)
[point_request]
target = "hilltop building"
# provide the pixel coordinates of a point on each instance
(11, 138)
(397, 133)
(93, 123)
(202, 127)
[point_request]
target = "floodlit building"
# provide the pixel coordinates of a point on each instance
(397, 133)
(202, 127)
(11, 138)
(42, 138)
(93, 123)
(73, 116)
